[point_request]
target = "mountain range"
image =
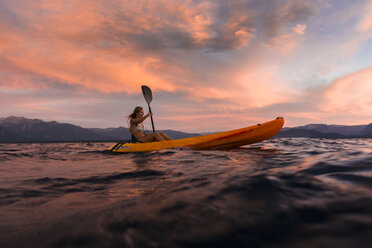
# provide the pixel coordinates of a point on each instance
(327, 131)
(20, 129)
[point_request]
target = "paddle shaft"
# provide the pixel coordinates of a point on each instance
(152, 121)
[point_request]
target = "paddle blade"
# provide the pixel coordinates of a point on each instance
(147, 94)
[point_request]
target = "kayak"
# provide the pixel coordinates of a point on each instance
(222, 140)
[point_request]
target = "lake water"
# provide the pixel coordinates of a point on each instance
(290, 192)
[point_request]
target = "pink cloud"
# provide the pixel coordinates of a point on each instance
(107, 47)
(226, 60)
(299, 29)
(350, 95)
(285, 44)
(118, 46)
(365, 24)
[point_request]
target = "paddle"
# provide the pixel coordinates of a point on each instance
(147, 94)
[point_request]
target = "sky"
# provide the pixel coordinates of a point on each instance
(212, 65)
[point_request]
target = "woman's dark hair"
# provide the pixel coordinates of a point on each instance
(134, 113)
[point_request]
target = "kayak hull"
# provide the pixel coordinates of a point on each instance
(222, 140)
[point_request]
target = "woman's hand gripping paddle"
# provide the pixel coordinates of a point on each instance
(147, 94)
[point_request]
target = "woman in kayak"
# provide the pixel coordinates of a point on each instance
(137, 128)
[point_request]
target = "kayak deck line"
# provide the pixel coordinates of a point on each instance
(222, 140)
(232, 135)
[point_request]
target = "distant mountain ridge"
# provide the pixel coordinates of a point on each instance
(20, 129)
(340, 129)
(327, 131)
(367, 130)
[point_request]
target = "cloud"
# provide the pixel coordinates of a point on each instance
(284, 13)
(222, 59)
(299, 29)
(365, 24)
(350, 94)
(113, 47)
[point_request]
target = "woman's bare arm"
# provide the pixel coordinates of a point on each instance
(139, 120)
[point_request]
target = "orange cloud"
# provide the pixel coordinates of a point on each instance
(109, 47)
(230, 57)
(260, 86)
(365, 24)
(350, 95)
(286, 43)
(59, 48)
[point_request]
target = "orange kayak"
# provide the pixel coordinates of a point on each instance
(222, 140)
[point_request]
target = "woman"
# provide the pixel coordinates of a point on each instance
(138, 130)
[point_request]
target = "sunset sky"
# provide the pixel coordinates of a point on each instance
(212, 65)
